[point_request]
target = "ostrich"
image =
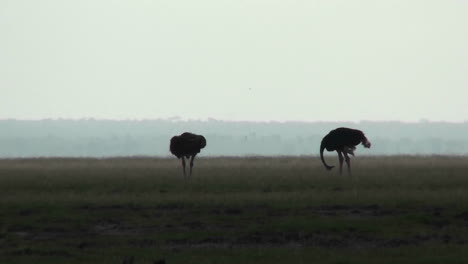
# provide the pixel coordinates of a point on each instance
(344, 141)
(187, 145)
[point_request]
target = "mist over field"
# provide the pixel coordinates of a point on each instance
(104, 138)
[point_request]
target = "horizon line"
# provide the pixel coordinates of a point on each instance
(177, 119)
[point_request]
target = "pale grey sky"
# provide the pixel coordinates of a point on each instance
(327, 60)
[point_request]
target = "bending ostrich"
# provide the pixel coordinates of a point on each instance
(187, 145)
(344, 141)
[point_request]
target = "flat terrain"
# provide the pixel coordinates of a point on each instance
(401, 209)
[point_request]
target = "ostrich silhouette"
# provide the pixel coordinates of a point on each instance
(187, 145)
(344, 141)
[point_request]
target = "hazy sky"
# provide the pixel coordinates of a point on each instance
(309, 60)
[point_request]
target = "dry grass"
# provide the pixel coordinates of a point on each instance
(234, 210)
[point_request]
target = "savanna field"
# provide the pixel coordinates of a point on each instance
(393, 209)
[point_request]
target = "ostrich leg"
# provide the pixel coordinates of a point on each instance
(348, 163)
(340, 157)
(183, 165)
(191, 164)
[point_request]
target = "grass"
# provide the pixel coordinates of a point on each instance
(403, 209)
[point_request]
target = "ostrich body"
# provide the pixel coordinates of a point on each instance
(187, 145)
(344, 141)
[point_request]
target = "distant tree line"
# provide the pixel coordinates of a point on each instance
(103, 138)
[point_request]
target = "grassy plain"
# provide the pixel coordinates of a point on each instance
(397, 209)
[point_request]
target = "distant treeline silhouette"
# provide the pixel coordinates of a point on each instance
(102, 138)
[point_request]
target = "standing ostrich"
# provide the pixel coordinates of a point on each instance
(344, 141)
(187, 145)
